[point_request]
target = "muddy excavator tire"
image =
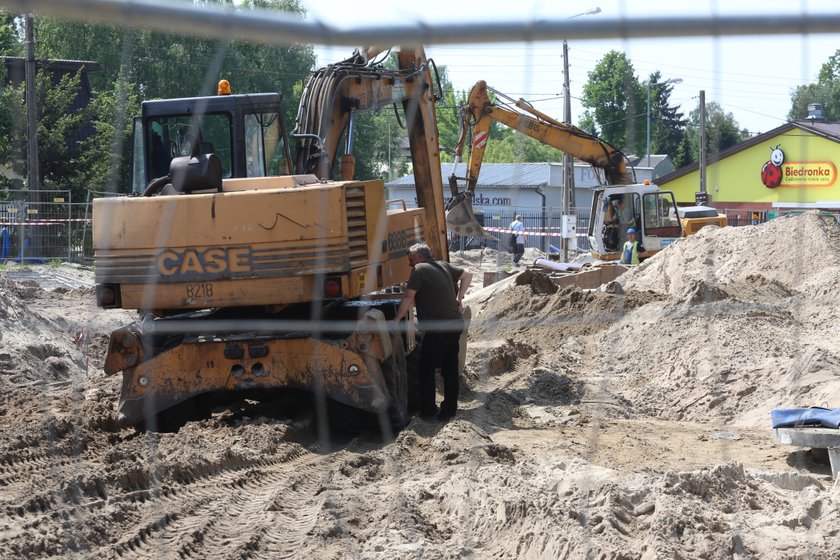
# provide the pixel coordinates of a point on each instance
(396, 377)
(412, 367)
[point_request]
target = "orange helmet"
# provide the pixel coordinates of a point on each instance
(224, 87)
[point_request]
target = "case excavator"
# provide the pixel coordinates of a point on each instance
(651, 211)
(252, 269)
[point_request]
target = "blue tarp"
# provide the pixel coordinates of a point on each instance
(5, 244)
(816, 416)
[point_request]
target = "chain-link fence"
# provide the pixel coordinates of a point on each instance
(38, 226)
(543, 227)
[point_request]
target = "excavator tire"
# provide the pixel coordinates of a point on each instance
(412, 368)
(396, 377)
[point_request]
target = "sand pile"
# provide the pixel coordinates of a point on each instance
(748, 325)
(799, 252)
(590, 428)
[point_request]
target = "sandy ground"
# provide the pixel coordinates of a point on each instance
(627, 422)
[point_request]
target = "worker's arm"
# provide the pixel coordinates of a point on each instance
(405, 305)
(465, 281)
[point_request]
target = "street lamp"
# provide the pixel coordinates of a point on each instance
(650, 85)
(568, 161)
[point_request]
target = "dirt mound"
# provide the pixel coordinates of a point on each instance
(534, 301)
(748, 326)
(791, 250)
(586, 429)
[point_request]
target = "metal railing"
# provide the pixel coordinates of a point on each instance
(542, 229)
(38, 226)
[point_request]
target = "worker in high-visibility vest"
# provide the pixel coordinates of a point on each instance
(632, 248)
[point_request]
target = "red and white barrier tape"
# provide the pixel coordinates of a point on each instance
(526, 232)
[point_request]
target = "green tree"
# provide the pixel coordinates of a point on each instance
(722, 131)
(616, 100)
(135, 65)
(826, 91)
(667, 127)
(10, 44)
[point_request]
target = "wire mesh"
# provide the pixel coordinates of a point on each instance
(624, 421)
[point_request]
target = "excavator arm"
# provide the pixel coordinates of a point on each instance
(337, 93)
(480, 112)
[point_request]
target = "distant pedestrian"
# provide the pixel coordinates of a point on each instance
(632, 248)
(436, 288)
(517, 240)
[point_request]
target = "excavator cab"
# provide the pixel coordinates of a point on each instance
(642, 207)
(245, 132)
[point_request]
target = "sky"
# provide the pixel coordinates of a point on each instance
(750, 77)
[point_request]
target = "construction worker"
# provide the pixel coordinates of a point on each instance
(632, 248)
(517, 240)
(437, 288)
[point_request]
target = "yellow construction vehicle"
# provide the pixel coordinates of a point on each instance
(646, 208)
(253, 269)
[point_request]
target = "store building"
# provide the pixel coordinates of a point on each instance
(521, 185)
(793, 166)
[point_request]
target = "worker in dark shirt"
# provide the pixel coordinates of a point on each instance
(432, 289)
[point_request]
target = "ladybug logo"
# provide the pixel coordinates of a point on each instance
(771, 173)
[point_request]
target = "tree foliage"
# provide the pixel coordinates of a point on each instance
(825, 91)
(667, 126)
(616, 111)
(616, 101)
(722, 131)
(135, 65)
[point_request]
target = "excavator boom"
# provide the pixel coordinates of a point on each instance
(480, 113)
(649, 211)
(337, 93)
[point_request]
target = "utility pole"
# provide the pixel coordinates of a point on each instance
(568, 161)
(703, 141)
(568, 190)
(31, 111)
(32, 145)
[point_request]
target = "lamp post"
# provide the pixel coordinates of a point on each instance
(568, 161)
(650, 85)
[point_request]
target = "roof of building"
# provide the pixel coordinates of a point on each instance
(827, 130)
(528, 175)
(641, 161)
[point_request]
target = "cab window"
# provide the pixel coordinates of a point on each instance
(170, 137)
(264, 150)
(660, 213)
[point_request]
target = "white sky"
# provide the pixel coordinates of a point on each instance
(751, 77)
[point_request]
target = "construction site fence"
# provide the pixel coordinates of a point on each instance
(543, 230)
(49, 225)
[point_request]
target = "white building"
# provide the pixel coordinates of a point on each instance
(517, 186)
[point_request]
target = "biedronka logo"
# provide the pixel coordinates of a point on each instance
(777, 173)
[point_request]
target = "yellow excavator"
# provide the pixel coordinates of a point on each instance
(253, 269)
(645, 207)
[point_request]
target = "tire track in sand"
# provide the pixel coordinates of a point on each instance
(262, 510)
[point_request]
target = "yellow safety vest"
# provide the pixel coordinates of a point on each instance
(633, 248)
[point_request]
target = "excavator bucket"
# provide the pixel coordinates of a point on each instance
(461, 219)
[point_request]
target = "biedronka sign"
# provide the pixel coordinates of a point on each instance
(778, 173)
